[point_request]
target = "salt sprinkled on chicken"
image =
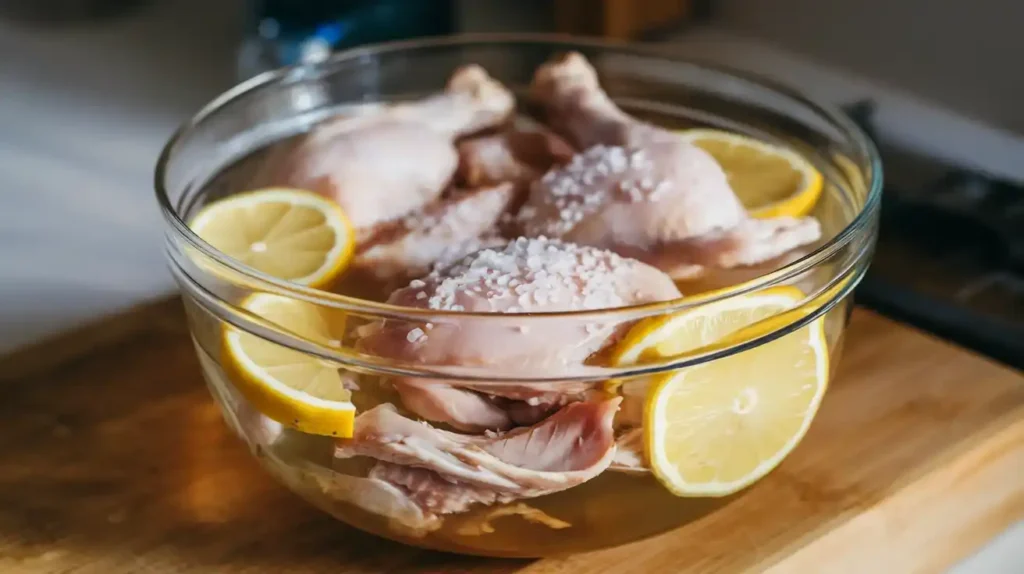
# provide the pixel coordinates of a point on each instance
(527, 275)
(590, 181)
(443, 232)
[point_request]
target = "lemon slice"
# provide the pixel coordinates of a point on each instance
(717, 427)
(290, 234)
(771, 181)
(293, 388)
(671, 335)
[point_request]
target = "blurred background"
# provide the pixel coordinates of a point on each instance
(91, 89)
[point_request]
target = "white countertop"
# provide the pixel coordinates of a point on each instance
(83, 115)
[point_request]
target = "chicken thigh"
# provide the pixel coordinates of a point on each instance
(382, 165)
(534, 276)
(641, 190)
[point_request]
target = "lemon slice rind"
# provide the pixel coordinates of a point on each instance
(277, 400)
(650, 333)
(656, 420)
(800, 202)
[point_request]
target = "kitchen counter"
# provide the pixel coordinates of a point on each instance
(123, 463)
(83, 114)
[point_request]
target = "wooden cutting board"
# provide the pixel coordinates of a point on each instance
(114, 459)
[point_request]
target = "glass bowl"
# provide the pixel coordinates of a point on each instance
(611, 508)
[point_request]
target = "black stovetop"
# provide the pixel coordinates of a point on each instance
(950, 256)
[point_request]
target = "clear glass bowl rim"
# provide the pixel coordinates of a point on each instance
(871, 174)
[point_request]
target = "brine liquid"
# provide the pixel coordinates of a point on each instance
(609, 510)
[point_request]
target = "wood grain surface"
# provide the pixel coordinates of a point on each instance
(114, 459)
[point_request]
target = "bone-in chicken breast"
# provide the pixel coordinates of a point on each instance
(526, 276)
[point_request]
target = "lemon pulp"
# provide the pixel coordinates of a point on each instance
(290, 234)
(717, 427)
(770, 180)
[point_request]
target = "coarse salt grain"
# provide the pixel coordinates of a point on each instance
(566, 195)
(528, 274)
(415, 335)
(660, 191)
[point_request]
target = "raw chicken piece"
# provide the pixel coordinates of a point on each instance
(459, 407)
(750, 244)
(527, 276)
(634, 398)
(641, 190)
(432, 492)
(382, 165)
(629, 433)
(373, 495)
(525, 409)
(690, 279)
(534, 276)
(520, 154)
(476, 407)
(445, 231)
(293, 465)
(629, 452)
(446, 472)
